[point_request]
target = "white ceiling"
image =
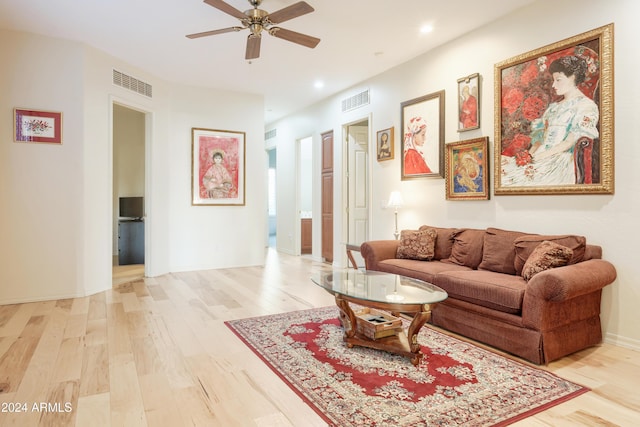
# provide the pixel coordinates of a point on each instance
(360, 38)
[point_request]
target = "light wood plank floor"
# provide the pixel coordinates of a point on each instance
(155, 352)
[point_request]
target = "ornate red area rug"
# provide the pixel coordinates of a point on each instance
(455, 384)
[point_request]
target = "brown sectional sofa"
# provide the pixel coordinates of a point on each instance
(555, 313)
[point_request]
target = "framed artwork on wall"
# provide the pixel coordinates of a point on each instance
(467, 173)
(423, 137)
(37, 126)
(384, 144)
(554, 118)
(217, 167)
(469, 102)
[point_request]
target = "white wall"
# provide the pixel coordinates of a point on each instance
(40, 184)
(216, 236)
(606, 220)
(56, 225)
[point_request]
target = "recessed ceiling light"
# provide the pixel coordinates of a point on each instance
(426, 29)
(319, 84)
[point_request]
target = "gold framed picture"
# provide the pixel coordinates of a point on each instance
(423, 137)
(385, 145)
(467, 173)
(554, 118)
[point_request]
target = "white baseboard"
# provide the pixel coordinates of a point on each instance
(622, 341)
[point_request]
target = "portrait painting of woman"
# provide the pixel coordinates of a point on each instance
(423, 137)
(468, 103)
(218, 167)
(551, 126)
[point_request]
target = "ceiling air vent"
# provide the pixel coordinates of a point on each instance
(270, 134)
(131, 83)
(355, 101)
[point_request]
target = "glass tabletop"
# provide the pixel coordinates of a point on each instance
(379, 287)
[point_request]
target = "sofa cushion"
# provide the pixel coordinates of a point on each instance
(497, 291)
(526, 244)
(545, 256)
(417, 244)
(467, 247)
(498, 250)
(422, 270)
(444, 241)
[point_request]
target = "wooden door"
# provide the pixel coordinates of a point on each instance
(327, 196)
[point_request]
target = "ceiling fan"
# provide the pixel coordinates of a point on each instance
(257, 20)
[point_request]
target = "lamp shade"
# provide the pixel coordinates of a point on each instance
(395, 200)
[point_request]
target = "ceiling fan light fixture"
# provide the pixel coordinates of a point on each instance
(257, 20)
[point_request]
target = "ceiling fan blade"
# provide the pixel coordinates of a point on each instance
(294, 37)
(226, 8)
(253, 46)
(214, 32)
(290, 12)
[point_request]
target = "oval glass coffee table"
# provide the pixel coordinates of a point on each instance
(390, 293)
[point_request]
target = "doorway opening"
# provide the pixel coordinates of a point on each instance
(129, 139)
(271, 209)
(357, 194)
(305, 195)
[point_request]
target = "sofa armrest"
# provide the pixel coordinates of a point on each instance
(375, 251)
(571, 281)
(564, 295)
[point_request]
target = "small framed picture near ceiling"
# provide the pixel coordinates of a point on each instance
(37, 126)
(217, 167)
(469, 102)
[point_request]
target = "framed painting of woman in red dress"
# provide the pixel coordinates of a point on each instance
(217, 167)
(469, 103)
(423, 137)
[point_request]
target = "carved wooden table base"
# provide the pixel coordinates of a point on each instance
(405, 344)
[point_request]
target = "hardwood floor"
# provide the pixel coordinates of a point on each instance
(156, 352)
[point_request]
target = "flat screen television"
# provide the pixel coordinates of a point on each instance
(131, 207)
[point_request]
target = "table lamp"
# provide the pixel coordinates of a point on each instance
(395, 202)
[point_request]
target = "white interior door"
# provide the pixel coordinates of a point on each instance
(358, 192)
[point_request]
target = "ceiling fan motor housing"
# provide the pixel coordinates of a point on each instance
(256, 20)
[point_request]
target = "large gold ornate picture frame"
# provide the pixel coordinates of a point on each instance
(423, 137)
(217, 167)
(554, 118)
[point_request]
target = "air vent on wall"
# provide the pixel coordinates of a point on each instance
(270, 134)
(131, 83)
(355, 101)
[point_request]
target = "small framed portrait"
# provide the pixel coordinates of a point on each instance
(467, 176)
(423, 137)
(469, 102)
(217, 167)
(37, 126)
(384, 145)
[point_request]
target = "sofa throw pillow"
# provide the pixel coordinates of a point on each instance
(545, 256)
(526, 244)
(417, 244)
(467, 247)
(498, 251)
(444, 241)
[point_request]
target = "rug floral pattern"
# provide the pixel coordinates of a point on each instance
(455, 384)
